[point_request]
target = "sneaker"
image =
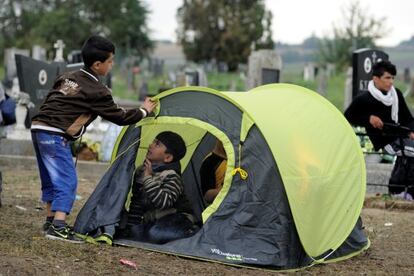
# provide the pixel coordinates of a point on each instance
(104, 238)
(46, 226)
(392, 149)
(63, 233)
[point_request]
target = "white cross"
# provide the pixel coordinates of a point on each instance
(374, 57)
(59, 45)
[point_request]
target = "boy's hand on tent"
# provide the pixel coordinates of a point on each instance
(149, 104)
(147, 167)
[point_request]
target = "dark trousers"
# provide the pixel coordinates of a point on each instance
(166, 229)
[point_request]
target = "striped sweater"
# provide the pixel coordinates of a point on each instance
(160, 193)
(163, 188)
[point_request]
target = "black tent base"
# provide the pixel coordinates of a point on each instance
(157, 248)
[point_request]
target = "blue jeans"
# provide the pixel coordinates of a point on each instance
(57, 170)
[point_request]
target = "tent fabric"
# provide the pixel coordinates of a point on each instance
(305, 178)
(323, 168)
(104, 205)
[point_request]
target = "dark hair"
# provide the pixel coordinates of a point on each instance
(96, 48)
(174, 143)
(383, 66)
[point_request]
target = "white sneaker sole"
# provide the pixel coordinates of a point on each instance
(51, 237)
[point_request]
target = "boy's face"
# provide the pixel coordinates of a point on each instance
(385, 82)
(103, 68)
(156, 153)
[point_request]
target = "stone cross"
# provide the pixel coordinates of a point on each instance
(59, 45)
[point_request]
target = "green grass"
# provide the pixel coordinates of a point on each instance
(218, 81)
(120, 88)
(336, 91)
(226, 81)
(291, 73)
(335, 87)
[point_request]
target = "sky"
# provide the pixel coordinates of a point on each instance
(296, 20)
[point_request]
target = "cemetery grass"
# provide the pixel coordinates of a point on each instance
(25, 251)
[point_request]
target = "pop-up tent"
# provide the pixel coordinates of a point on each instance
(293, 189)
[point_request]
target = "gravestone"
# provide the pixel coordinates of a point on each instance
(38, 53)
(156, 66)
(191, 78)
(143, 90)
(202, 77)
(222, 67)
(348, 88)
(36, 78)
(330, 69)
(10, 62)
(407, 75)
(208, 66)
(181, 79)
(309, 71)
(75, 56)
(323, 82)
(264, 67)
(362, 62)
(59, 45)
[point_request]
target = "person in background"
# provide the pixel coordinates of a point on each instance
(382, 103)
(380, 108)
(212, 172)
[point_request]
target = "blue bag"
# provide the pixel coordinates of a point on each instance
(8, 111)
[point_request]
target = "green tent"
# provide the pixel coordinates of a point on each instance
(293, 189)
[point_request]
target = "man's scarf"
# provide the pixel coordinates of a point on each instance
(389, 99)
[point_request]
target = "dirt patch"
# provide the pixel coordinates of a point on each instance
(24, 250)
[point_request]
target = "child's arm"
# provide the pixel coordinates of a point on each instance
(163, 192)
(105, 107)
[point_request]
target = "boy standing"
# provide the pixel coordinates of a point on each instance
(75, 100)
(159, 211)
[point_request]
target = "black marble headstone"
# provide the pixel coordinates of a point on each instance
(36, 78)
(362, 62)
(407, 75)
(75, 56)
(270, 75)
(192, 78)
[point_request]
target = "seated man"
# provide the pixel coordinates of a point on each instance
(212, 172)
(159, 211)
(383, 104)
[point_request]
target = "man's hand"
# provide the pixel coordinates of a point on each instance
(149, 104)
(147, 168)
(376, 122)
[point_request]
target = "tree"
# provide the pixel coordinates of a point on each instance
(25, 22)
(223, 30)
(311, 42)
(360, 30)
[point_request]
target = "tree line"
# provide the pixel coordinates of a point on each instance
(224, 31)
(27, 22)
